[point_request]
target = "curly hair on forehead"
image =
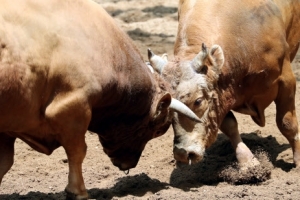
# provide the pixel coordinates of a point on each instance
(172, 75)
(162, 85)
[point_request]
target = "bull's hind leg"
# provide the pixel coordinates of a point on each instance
(244, 156)
(6, 153)
(286, 118)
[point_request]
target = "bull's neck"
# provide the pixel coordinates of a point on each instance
(214, 115)
(226, 98)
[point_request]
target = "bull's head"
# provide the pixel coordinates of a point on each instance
(124, 137)
(195, 84)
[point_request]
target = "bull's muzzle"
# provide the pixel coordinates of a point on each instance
(123, 166)
(187, 156)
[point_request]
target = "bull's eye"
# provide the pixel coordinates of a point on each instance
(198, 102)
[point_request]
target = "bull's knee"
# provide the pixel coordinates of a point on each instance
(288, 126)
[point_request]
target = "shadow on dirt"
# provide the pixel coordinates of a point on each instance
(35, 195)
(137, 185)
(221, 155)
(136, 15)
(161, 11)
(138, 34)
(151, 40)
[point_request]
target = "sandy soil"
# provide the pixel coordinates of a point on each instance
(153, 24)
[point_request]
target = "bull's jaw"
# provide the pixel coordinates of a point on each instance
(123, 166)
(124, 159)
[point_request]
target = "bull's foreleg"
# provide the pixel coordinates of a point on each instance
(244, 156)
(286, 117)
(76, 151)
(6, 153)
(70, 117)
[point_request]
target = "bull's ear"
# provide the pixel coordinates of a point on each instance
(162, 108)
(213, 57)
(165, 57)
(164, 102)
(217, 58)
(161, 116)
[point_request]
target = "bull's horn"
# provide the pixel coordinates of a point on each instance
(198, 62)
(183, 109)
(150, 67)
(156, 62)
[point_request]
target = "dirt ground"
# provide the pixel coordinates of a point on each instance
(153, 24)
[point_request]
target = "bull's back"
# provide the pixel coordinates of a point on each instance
(235, 25)
(53, 49)
(251, 34)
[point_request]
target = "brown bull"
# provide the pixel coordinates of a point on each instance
(65, 68)
(248, 70)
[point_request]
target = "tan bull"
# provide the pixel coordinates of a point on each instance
(65, 68)
(248, 70)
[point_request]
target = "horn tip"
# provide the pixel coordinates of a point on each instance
(150, 54)
(204, 47)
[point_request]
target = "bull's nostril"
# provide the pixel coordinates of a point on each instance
(192, 156)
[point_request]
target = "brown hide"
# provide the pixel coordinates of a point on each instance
(65, 68)
(259, 39)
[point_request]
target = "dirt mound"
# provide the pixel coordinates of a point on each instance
(254, 174)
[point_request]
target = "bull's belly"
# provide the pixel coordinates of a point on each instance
(31, 129)
(255, 109)
(255, 99)
(247, 109)
(41, 142)
(256, 114)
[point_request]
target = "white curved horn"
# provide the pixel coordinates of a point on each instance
(156, 62)
(150, 67)
(183, 109)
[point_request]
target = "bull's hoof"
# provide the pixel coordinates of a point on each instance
(72, 196)
(250, 164)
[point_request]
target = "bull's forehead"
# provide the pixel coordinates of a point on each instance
(187, 87)
(186, 70)
(190, 75)
(189, 90)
